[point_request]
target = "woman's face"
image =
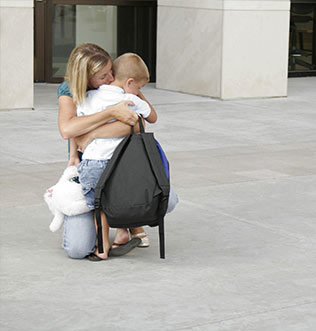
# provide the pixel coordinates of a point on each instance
(104, 76)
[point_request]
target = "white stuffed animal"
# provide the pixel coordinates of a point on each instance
(65, 198)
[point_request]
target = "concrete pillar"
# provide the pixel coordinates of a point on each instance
(16, 54)
(223, 48)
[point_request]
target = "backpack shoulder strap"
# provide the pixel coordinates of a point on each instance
(103, 179)
(110, 167)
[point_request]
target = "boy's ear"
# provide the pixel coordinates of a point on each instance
(130, 81)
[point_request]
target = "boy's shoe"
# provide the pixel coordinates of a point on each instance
(144, 239)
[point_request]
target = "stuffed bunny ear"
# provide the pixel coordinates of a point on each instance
(70, 172)
(48, 197)
(57, 221)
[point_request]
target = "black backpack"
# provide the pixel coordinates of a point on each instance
(134, 188)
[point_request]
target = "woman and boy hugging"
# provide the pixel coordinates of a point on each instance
(111, 86)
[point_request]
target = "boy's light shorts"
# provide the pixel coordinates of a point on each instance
(90, 172)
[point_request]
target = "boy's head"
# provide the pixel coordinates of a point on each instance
(130, 72)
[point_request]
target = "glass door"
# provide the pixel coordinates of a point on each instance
(117, 26)
(76, 24)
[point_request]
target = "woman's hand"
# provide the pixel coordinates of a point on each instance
(124, 114)
(73, 154)
(84, 140)
(73, 161)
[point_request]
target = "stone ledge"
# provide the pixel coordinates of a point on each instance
(228, 4)
(17, 3)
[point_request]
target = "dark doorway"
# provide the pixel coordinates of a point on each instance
(118, 26)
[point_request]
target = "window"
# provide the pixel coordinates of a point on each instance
(302, 53)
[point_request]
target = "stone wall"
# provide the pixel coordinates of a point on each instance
(16, 54)
(223, 48)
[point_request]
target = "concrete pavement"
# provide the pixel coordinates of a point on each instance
(240, 246)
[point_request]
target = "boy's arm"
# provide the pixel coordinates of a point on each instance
(152, 118)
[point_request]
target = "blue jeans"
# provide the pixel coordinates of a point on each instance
(90, 172)
(80, 235)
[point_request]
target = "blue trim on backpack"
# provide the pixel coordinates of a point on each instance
(164, 159)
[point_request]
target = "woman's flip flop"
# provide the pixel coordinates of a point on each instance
(94, 258)
(123, 249)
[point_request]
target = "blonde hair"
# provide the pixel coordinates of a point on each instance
(84, 61)
(130, 65)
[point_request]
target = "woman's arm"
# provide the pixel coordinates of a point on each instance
(70, 125)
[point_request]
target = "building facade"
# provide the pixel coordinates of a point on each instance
(224, 49)
(229, 49)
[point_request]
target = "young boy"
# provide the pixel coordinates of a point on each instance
(131, 73)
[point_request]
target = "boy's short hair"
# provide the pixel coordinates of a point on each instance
(130, 65)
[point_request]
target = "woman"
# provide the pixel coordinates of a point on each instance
(90, 66)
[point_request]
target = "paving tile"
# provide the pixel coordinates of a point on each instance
(240, 245)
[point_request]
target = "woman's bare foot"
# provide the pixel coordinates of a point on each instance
(121, 238)
(105, 254)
